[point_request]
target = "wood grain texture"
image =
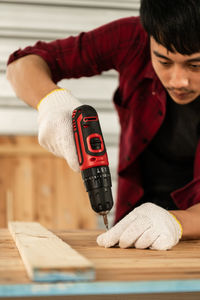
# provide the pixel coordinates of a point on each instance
(46, 257)
(41, 187)
(45, 200)
(112, 264)
(157, 296)
(5, 185)
(182, 262)
(23, 189)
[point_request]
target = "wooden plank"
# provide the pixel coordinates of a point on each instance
(3, 186)
(167, 290)
(181, 262)
(21, 145)
(118, 271)
(44, 178)
(71, 199)
(23, 189)
(37, 186)
(48, 258)
(6, 181)
(9, 206)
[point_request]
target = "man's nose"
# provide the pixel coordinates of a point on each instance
(178, 78)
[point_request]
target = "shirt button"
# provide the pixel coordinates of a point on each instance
(128, 158)
(160, 112)
(145, 141)
(153, 93)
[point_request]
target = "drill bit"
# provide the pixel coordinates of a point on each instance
(105, 220)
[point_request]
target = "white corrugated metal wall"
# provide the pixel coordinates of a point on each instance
(23, 23)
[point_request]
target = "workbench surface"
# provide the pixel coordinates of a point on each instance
(118, 271)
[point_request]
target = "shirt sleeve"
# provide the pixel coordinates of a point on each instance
(88, 53)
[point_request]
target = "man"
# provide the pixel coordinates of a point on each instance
(158, 102)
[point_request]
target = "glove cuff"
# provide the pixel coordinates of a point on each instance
(179, 225)
(56, 99)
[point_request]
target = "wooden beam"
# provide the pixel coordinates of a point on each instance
(46, 257)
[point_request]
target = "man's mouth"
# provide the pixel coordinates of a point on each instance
(180, 94)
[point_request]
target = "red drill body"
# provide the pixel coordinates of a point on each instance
(92, 158)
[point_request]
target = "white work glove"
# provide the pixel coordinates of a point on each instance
(55, 131)
(147, 226)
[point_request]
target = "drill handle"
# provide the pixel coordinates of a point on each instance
(89, 140)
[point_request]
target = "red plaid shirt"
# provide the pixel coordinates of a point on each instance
(140, 99)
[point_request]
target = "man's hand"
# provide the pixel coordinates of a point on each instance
(55, 125)
(147, 226)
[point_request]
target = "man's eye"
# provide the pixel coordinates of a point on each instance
(164, 63)
(194, 66)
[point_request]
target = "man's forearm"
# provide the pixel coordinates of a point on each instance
(190, 221)
(30, 78)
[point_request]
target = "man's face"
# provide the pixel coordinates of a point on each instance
(179, 74)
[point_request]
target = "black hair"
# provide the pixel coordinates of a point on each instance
(175, 24)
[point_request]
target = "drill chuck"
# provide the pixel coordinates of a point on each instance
(97, 181)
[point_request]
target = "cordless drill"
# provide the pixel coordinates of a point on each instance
(93, 160)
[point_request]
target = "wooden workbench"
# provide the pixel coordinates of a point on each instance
(120, 273)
